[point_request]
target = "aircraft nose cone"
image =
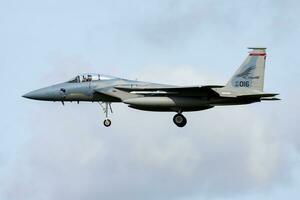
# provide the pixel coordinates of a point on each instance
(41, 94)
(27, 95)
(33, 95)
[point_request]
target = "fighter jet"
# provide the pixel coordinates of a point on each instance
(245, 87)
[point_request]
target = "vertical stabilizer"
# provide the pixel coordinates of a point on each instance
(250, 75)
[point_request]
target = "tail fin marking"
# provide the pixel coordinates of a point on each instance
(250, 75)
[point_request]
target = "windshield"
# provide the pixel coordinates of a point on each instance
(90, 77)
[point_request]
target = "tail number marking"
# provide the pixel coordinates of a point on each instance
(242, 84)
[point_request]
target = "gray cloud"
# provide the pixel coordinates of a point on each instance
(179, 22)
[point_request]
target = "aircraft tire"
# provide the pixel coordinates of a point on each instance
(179, 120)
(107, 122)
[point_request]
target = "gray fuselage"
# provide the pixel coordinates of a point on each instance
(106, 91)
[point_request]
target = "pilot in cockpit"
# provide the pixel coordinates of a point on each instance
(84, 79)
(90, 77)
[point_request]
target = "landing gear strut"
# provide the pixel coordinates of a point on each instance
(106, 108)
(179, 120)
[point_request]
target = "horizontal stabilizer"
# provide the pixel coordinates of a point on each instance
(269, 99)
(259, 95)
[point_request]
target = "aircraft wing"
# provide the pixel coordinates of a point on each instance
(172, 90)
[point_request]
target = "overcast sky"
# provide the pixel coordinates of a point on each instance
(48, 151)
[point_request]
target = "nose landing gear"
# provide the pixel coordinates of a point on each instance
(107, 122)
(179, 120)
(106, 108)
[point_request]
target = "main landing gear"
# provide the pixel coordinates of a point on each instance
(106, 108)
(179, 120)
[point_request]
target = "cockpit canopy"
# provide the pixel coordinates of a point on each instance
(90, 77)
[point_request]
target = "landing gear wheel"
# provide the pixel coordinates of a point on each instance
(107, 122)
(179, 120)
(106, 108)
